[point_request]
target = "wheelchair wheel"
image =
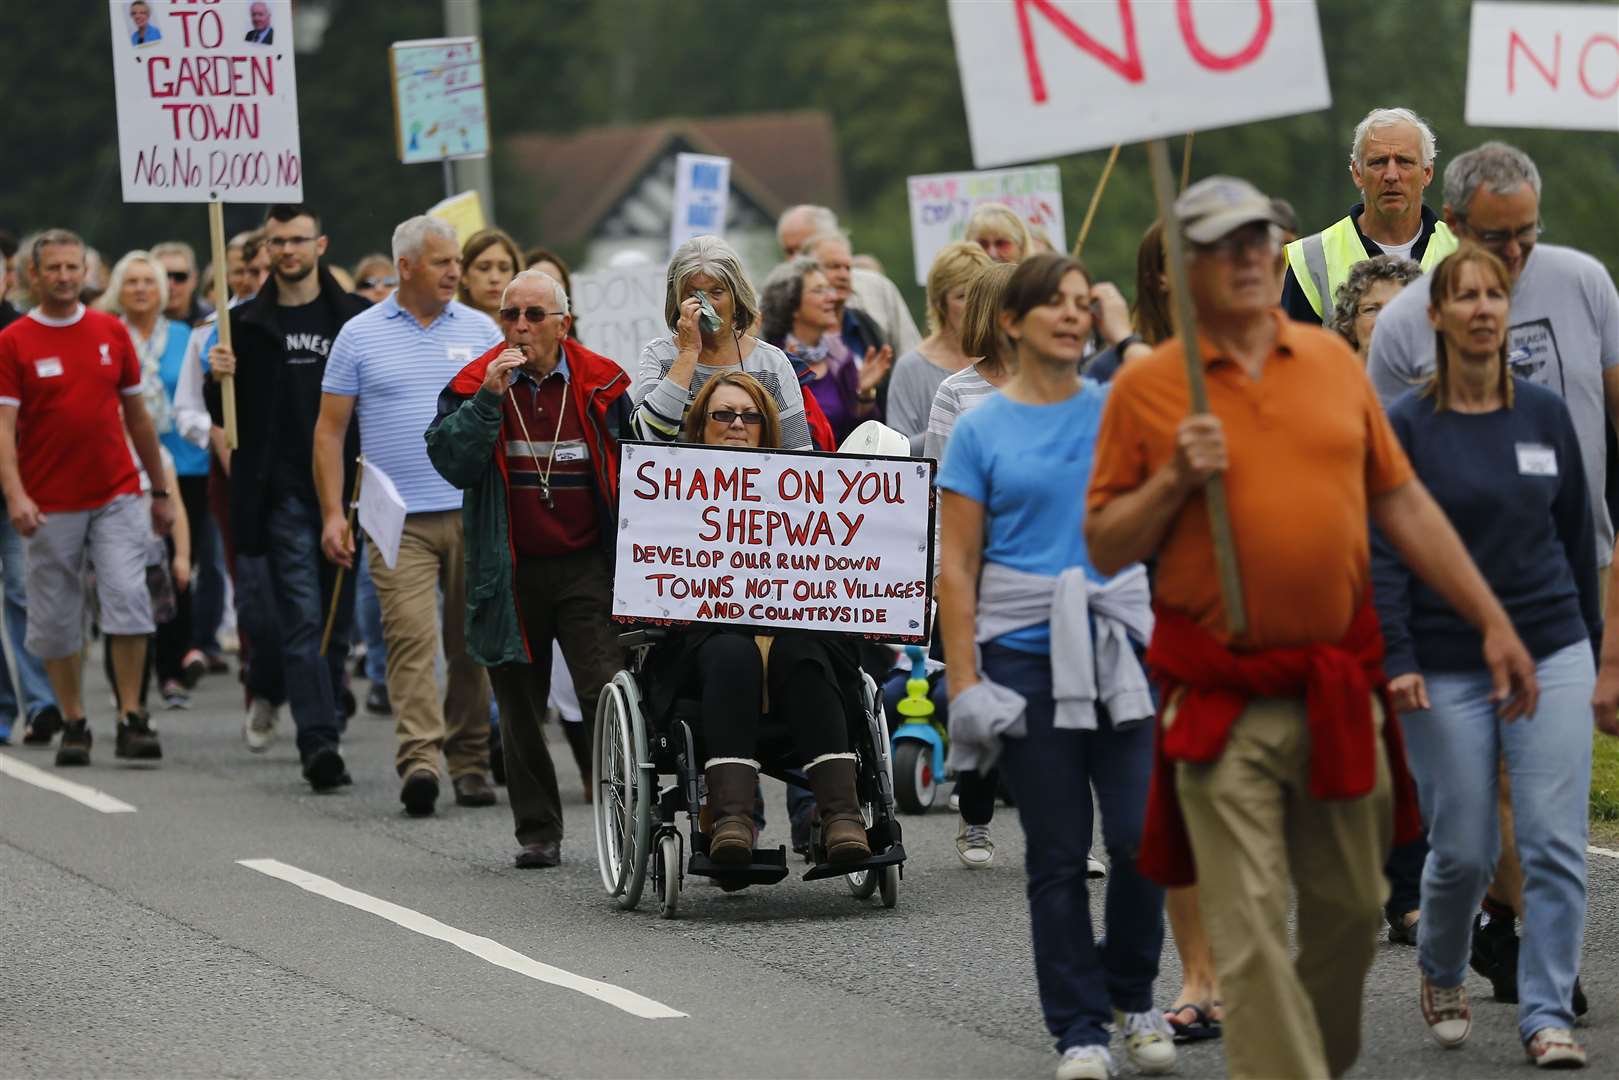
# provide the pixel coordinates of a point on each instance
(667, 872)
(914, 782)
(623, 799)
(888, 882)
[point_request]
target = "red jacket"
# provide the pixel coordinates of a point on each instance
(1212, 685)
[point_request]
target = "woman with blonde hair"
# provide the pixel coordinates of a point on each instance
(999, 230)
(918, 373)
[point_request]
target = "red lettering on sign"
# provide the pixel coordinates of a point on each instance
(1515, 44)
(1585, 53)
(1212, 61)
(1128, 66)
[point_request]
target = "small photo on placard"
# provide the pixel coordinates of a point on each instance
(259, 28)
(143, 25)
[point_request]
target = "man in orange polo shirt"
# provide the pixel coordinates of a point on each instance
(1273, 743)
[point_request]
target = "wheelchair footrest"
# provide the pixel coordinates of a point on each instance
(767, 868)
(895, 854)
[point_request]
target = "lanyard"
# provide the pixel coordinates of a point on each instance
(550, 458)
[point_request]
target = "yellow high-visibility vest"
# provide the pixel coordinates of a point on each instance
(1322, 262)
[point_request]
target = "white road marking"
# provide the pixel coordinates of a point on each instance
(483, 948)
(79, 793)
(1606, 852)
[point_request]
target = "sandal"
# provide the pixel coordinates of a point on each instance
(1202, 1026)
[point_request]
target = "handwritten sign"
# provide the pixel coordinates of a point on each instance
(620, 310)
(1544, 65)
(941, 205)
(464, 211)
(702, 194)
(207, 101)
(1046, 77)
(440, 111)
(772, 539)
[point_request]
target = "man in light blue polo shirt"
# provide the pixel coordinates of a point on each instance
(390, 363)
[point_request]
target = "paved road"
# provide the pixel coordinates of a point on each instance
(137, 944)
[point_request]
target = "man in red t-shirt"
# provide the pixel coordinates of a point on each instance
(70, 386)
(529, 431)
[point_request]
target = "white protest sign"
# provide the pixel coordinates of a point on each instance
(381, 512)
(942, 203)
(775, 539)
(619, 310)
(440, 109)
(702, 193)
(207, 101)
(1544, 66)
(1045, 77)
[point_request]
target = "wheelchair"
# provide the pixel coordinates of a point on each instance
(634, 809)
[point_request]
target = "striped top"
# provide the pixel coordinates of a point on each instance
(660, 405)
(959, 394)
(396, 368)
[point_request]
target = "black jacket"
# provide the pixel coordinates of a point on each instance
(260, 348)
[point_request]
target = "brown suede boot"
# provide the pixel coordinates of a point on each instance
(730, 794)
(843, 827)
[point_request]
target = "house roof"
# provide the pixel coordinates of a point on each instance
(777, 161)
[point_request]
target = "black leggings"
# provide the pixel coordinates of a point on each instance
(803, 696)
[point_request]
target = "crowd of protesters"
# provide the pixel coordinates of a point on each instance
(1409, 422)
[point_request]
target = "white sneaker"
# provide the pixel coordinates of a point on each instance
(973, 845)
(1149, 1041)
(259, 727)
(1448, 1015)
(1086, 1063)
(955, 801)
(1095, 869)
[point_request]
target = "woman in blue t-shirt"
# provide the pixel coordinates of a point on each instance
(1060, 693)
(1501, 458)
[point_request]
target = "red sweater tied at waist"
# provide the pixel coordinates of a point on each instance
(1209, 686)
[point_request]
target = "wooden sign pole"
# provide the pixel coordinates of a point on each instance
(227, 383)
(1186, 162)
(1225, 550)
(337, 582)
(1096, 200)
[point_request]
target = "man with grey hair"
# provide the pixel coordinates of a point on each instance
(180, 262)
(388, 365)
(1391, 162)
(539, 518)
(869, 290)
(1564, 335)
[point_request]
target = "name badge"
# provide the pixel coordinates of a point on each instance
(48, 368)
(573, 452)
(1536, 460)
(459, 354)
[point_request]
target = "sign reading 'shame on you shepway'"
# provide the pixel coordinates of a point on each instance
(207, 100)
(774, 539)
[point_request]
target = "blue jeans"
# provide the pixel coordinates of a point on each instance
(36, 687)
(1453, 748)
(302, 582)
(1052, 773)
(207, 554)
(368, 619)
(264, 673)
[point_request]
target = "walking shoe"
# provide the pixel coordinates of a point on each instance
(1447, 1013)
(217, 664)
(1495, 956)
(174, 695)
(419, 793)
(973, 846)
(194, 667)
(1095, 869)
(1149, 1041)
(376, 700)
(325, 770)
(74, 748)
(473, 790)
(258, 729)
(136, 739)
(1555, 1048)
(42, 727)
(1086, 1063)
(955, 801)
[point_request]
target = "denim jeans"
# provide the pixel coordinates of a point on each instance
(1052, 774)
(368, 620)
(1454, 747)
(264, 672)
(208, 583)
(302, 582)
(36, 687)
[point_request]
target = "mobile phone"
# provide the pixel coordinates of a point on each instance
(709, 319)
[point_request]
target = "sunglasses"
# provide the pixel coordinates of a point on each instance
(179, 277)
(532, 314)
(730, 416)
(374, 282)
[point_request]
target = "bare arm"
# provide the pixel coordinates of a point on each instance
(1418, 529)
(1130, 527)
(1610, 394)
(181, 534)
(961, 555)
(1604, 701)
(24, 514)
(138, 423)
(330, 429)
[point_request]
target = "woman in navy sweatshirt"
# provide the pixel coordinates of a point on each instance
(1500, 456)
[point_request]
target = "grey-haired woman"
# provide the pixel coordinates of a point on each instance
(1371, 285)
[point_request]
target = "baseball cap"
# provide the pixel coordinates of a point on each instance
(1217, 205)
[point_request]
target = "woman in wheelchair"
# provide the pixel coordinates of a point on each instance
(804, 683)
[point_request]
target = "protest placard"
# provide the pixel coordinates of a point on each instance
(702, 195)
(1544, 66)
(463, 211)
(1047, 77)
(440, 110)
(381, 510)
(942, 203)
(800, 541)
(207, 101)
(619, 310)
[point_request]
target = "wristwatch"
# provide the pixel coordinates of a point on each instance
(1125, 342)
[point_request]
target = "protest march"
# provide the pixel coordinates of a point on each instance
(1148, 589)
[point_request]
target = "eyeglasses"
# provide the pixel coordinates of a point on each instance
(374, 282)
(730, 416)
(275, 243)
(179, 277)
(1500, 238)
(1235, 244)
(1369, 311)
(532, 314)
